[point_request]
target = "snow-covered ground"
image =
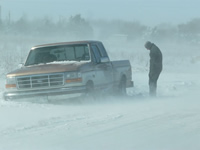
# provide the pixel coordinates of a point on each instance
(171, 121)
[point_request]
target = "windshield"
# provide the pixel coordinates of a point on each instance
(58, 53)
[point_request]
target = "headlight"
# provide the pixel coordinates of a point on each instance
(10, 82)
(73, 77)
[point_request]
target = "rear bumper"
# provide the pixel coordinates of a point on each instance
(44, 92)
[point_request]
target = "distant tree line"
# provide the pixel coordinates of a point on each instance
(78, 27)
(74, 26)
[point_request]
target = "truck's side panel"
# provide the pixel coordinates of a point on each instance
(122, 68)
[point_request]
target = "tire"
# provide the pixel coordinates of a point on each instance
(122, 87)
(5, 98)
(90, 90)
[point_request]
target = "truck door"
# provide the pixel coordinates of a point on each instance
(103, 70)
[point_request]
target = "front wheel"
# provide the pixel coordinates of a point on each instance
(90, 92)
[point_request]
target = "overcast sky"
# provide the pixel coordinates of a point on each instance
(148, 12)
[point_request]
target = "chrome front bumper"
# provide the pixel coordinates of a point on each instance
(44, 92)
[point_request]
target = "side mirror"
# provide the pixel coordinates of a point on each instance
(104, 59)
(21, 65)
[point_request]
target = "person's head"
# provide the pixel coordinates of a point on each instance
(148, 45)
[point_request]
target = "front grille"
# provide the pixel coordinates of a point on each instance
(40, 81)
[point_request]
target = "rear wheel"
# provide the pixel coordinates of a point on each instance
(122, 87)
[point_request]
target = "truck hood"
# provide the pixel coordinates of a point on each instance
(46, 68)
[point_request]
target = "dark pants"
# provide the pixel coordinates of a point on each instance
(153, 83)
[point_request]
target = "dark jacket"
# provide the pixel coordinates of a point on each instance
(155, 60)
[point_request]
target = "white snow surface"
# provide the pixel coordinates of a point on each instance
(171, 121)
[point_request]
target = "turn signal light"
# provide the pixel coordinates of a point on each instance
(10, 85)
(74, 80)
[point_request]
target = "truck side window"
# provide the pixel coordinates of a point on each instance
(102, 50)
(96, 53)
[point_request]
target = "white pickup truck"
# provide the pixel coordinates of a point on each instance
(68, 68)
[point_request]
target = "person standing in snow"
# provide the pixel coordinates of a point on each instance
(155, 66)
